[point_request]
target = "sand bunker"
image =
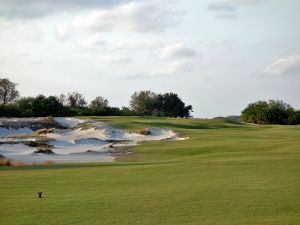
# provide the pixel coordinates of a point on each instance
(72, 140)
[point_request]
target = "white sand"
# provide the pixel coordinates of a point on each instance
(95, 143)
(25, 154)
(68, 122)
(6, 132)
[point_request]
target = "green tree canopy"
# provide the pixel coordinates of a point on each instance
(271, 112)
(142, 102)
(150, 103)
(76, 99)
(40, 106)
(99, 102)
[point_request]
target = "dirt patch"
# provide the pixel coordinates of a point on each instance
(124, 154)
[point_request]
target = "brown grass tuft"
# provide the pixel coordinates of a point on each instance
(144, 132)
(48, 162)
(43, 131)
(5, 162)
(17, 163)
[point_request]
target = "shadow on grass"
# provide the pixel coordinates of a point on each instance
(86, 165)
(186, 126)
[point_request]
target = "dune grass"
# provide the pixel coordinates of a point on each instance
(225, 173)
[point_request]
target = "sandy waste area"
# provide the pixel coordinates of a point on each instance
(69, 140)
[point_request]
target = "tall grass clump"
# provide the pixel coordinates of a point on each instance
(5, 162)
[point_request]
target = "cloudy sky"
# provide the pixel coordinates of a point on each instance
(218, 55)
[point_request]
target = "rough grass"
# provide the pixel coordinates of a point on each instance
(43, 131)
(226, 173)
(5, 162)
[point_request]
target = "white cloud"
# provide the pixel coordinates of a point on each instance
(39, 8)
(284, 66)
(94, 41)
(133, 46)
(133, 16)
(117, 59)
(223, 9)
(172, 68)
(222, 43)
(179, 60)
(228, 8)
(178, 50)
(244, 2)
(63, 31)
(19, 31)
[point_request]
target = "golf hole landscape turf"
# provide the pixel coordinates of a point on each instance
(226, 173)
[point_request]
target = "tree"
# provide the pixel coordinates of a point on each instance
(271, 112)
(256, 112)
(150, 103)
(75, 99)
(173, 106)
(40, 106)
(8, 92)
(62, 99)
(158, 105)
(99, 102)
(46, 106)
(125, 111)
(142, 102)
(25, 105)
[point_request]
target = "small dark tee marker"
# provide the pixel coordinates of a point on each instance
(40, 194)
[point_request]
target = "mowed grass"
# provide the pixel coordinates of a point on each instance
(225, 173)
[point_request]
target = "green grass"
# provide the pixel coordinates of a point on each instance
(226, 173)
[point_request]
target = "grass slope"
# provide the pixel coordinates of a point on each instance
(226, 173)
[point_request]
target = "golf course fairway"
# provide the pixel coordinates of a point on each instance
(225, 173)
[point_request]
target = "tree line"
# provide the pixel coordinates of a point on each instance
(142, 103)
(271, 112)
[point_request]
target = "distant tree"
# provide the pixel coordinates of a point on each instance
(9, 110)
(173, 106)
(8, 91)
(168, 104)
(278, 112)
(62, 99)
(271, 112)
(25, 105)
(40, 106)
(142, 102)
(159, 105)
(256, 112)
(46, 106)
(125, 111)
(99, 102)
(75, 99)
(294, 117)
